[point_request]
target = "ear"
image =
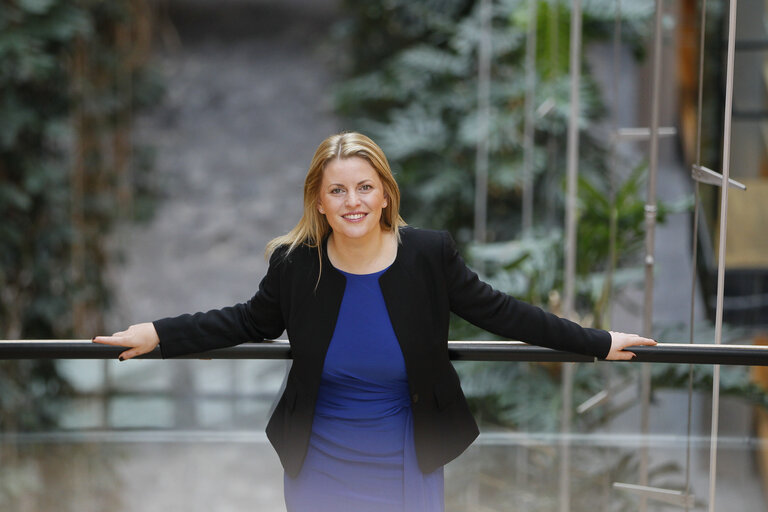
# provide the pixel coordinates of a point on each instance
(320, 208)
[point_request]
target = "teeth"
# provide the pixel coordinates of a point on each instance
(354, 216)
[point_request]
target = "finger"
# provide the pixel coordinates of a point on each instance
(634, 342)
(128, 354)
(111, 340)
(624, 355)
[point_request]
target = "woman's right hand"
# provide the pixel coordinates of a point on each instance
(141, 338)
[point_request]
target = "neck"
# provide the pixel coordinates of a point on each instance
(364, 255)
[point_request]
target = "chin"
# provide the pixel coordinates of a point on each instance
(357, 231)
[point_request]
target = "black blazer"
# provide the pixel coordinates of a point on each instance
(427, 281)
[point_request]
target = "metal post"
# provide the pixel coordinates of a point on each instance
(565, 428)
(572, 158)
(650, 228)
(529, 125)
(614, 217)
(695, 248)
(553, 141)
(721, 250)
(483, 115)
(572, 161)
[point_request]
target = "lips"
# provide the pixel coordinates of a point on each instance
(354, 216)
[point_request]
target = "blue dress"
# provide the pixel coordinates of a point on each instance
(361, 454)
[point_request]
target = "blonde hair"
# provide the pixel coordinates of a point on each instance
(313, 226)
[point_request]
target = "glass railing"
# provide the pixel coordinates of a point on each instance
(188, 434)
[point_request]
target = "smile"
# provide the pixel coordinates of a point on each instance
(354, 216)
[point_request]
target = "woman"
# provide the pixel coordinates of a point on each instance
(372, 408)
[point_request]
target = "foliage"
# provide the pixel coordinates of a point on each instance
(413, 89)
(71, 74)
(64, 109)
(530, 269)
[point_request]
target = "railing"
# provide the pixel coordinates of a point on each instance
(743, 355)
(509, 447)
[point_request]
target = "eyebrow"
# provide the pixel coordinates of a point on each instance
(342, 185)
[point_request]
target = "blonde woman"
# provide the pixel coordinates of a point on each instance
(372, 408)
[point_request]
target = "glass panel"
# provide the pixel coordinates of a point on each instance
(169, 435)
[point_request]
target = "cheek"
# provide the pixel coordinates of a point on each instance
(325, 204)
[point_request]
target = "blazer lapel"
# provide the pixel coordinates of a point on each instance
(327, 299)
(400, 290)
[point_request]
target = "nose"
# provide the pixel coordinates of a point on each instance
(352, 198)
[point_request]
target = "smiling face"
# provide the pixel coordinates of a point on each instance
(352, 198)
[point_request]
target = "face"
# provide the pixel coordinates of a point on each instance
(351, 198)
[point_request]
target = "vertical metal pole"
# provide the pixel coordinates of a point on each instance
(552, 142)
(721, 250)
(650, 229)
(613, 221)
(106, 394)
(529, 125)
(572, 159)
(695, 248)
(483, 115)
(565, 428)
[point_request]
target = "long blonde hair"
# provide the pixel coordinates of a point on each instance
(313, 226)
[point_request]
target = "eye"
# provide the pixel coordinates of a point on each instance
(337, 190)
(367, 186)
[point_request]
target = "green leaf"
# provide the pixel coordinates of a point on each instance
(35, 6)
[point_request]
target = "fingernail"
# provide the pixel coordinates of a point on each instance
(93, 339)
(121, 358)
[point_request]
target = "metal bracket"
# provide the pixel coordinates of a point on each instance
(546, 107)
(644, 133)
(592, 402)
(705, 175)
(603, 395)
(678, 498)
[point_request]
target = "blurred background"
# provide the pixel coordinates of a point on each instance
(150, 148)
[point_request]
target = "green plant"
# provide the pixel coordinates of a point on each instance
(71, 74)
(413, 88)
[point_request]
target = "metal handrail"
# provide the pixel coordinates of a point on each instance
(743, 355)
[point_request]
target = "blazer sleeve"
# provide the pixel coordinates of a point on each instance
(502, 314)
(258, 319)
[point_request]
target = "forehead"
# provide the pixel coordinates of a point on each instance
(349, 170)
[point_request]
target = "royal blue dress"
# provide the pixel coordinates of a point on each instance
(361, 453)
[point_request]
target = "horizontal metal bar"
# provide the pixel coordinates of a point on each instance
(750, 44)
(668, 442)
(742, 355)
(735, 303)
(749, 115)
(706, 175)
(678, 498)
(644, 133)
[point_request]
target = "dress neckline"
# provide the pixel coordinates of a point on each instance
(327, 260)
(369, 274)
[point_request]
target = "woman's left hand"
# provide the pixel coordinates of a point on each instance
(620, 341)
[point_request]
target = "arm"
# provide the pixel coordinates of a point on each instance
(258, 319)
(502, 314)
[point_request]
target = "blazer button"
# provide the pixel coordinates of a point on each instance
(415, 398)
